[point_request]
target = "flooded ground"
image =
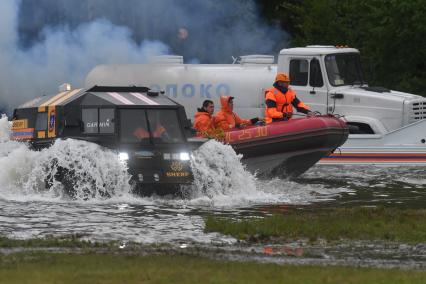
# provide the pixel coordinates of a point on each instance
(28, 211)
(179, 222)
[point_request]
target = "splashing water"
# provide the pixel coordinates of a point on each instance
(94, 173)
(88, 171)
(5, 126)
(218, 170)
(221, 180)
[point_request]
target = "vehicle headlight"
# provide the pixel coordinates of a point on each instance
(123, 156)
(184, 156)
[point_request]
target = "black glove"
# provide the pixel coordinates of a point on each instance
(254, 120)
(287, 115)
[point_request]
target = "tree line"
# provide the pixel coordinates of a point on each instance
(390, 34)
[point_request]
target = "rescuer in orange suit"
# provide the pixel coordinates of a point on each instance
(280, 99)
(203, 119)
(227, 119)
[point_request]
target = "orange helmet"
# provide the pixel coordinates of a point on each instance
(282, 77)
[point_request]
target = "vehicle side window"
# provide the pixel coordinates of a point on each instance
(106, 120)
(90, 120)
(41, 123)
(299, 72)
(315, 76)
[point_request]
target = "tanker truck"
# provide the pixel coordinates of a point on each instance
(386, 126)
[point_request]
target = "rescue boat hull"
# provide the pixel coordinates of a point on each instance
(288, 148)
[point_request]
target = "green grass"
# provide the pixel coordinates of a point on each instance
(388, 224)
(71, 241)
(45, 268)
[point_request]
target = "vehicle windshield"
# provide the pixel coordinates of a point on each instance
(344, 69)
(143, 126)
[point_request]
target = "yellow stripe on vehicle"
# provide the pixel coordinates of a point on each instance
(52, 100)
(64, 98)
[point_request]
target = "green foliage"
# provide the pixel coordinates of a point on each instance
(391, 34)
(214, 133)
(388, 224)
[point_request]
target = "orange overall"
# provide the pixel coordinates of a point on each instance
(226, 118)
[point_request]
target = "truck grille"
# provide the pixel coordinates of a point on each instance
(418, 111)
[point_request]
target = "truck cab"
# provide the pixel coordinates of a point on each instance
(331, 80)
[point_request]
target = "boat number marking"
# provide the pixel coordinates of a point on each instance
(246, 134)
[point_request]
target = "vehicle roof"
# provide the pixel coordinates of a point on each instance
(317, 50)
(119, 96)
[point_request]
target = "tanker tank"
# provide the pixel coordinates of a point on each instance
(191, 84)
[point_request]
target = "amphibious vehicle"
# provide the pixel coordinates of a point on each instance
(147, 129)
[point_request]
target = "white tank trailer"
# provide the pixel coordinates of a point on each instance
(386, 127)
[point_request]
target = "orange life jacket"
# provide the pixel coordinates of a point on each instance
(284, 107)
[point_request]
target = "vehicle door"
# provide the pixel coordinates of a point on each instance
(307, 80)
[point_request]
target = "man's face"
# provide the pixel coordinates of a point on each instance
(210, 108)
(283, 84)
(231, 104)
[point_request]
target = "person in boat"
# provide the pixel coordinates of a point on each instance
(226, 118)
(203, 119)
(280, 100)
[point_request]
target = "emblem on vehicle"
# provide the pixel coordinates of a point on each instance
(52, 121)
(176, 166)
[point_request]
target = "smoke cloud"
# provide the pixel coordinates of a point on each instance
(45, 43)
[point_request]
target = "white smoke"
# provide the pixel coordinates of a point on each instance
(45, 43)
(64, 55)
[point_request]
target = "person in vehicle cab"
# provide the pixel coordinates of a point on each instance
(142, 133)
(280, 100)
(227, 119)
(157, 129)
(203, 119)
